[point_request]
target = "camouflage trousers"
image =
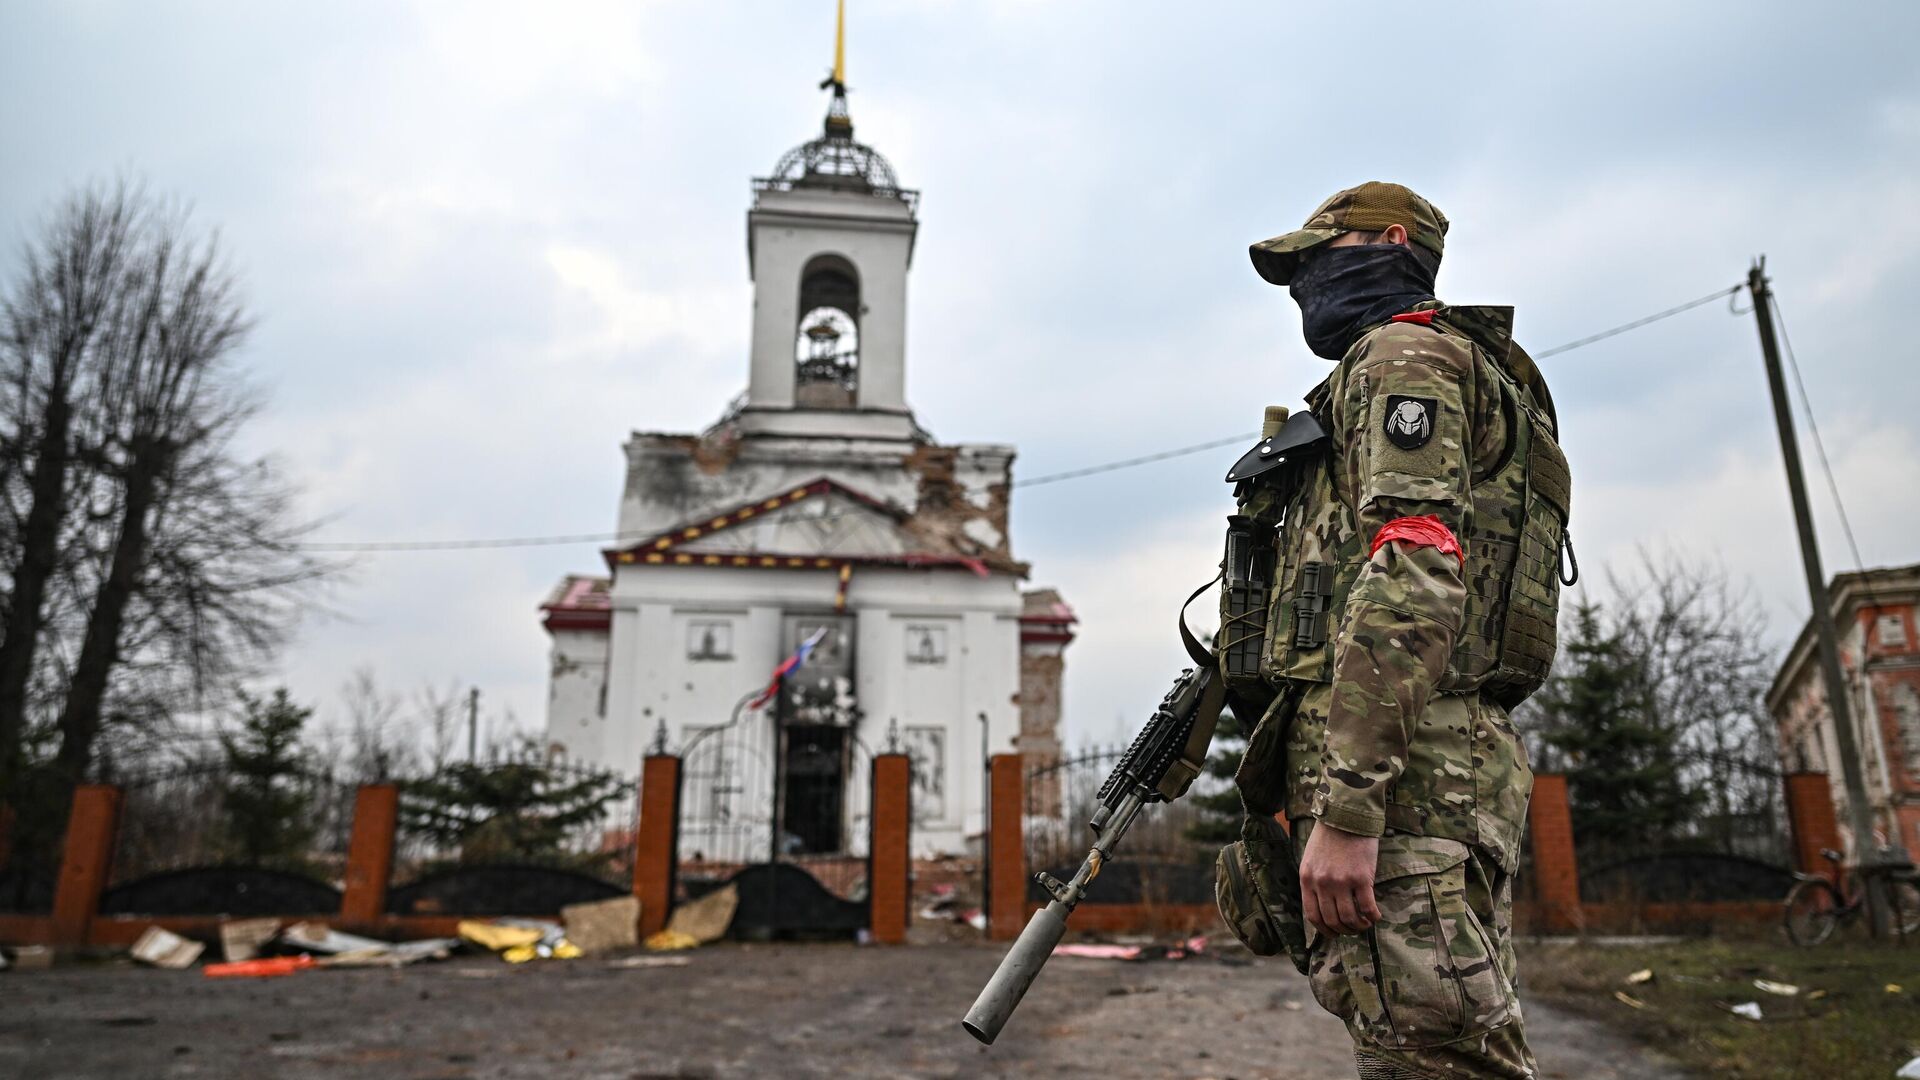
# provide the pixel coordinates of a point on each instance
(1429, 991)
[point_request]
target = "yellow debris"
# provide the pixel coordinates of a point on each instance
(670, 941)
(497, 938)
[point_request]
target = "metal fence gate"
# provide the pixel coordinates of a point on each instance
(777, 802)
(1161, 863)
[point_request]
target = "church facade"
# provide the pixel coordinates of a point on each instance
(816, 509)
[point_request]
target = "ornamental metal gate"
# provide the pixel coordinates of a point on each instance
(1164, 860)
(776, 801)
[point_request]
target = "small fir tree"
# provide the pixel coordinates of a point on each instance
(1216, 818)
(268, 800)
(513, 811)
(1624, 769)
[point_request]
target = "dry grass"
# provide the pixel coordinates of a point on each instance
(1845, 1022)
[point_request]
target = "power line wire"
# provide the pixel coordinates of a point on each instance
(1050, 478)
(1813, 428)
(1128, 463)
(1637, 323)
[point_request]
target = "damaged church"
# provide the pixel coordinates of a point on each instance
(816, 508)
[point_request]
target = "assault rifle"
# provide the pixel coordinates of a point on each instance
(1159, 767)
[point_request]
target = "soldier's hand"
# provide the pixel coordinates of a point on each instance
(1336, 880)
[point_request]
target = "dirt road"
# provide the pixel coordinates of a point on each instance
(734, 1010)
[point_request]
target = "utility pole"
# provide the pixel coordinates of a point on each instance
(1859, 814)
(473, 725)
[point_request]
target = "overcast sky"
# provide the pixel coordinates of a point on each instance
(486, 241)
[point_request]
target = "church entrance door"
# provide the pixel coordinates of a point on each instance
(775, 801)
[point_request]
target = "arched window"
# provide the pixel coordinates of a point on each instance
(826, 346)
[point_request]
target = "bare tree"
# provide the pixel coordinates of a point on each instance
(1706, 668)
(175, 564)
(1696, 663)
(71, 292)
(438, 715)
(376, 750)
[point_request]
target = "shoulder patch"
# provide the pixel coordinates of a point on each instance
(1409, 421)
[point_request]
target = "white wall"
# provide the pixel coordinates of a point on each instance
(652, 678)
(576, 687)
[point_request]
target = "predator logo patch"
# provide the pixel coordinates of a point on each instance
(1409, 420)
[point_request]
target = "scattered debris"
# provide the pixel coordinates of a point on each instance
(259, 969)
(496, 937)
(1777, 989)
(1747, 1009)
(671, 941)
(1181, 950)
(1909, 1071)
(165, 949)
(1628, 1000)
(396, 955)
(1291, 1006)
(977, 919)
(520, 940)
(32, 957)
(1099, 952)
(603, 925)
(706, 919)
(1644, 975)
(321, 938)
(241, 939)
(650, 962)
(944, 905)
(1893, 988)
(1816, 995)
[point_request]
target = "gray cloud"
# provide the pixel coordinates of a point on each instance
(486, 241)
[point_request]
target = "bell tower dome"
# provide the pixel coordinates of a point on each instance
(829, 242)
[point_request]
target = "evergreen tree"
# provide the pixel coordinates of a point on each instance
(267, 799)
(507, 811)
(1217, 806)
(1624, 771)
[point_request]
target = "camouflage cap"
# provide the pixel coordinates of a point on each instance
(1370, 207)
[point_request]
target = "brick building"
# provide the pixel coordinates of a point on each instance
(1875, 612)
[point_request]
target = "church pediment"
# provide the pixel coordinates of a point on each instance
(821, 520)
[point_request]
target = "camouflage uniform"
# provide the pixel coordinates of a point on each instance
(1396, 663)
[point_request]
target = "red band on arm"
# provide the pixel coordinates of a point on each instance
(1424, 531)
(1424, 318)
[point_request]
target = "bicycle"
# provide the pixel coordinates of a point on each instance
(1816, 906)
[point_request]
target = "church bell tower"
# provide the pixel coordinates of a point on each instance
(829, 242)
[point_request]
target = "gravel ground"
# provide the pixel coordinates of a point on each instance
(732, 1010)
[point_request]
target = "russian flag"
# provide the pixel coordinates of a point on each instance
(787, 667)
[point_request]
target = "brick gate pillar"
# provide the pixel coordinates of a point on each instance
(657, 841)
(890, 851)
(1006, 847)
(86, 861)
(1815, 824)
(376, 816)
(1556, 873)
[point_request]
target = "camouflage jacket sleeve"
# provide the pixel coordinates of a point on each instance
(1401, 423)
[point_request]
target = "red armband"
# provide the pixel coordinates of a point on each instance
(1424, 318)
(1424, 531)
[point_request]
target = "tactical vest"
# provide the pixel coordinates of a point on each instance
(1518, 512)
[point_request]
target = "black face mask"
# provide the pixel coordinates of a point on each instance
(1343, 290)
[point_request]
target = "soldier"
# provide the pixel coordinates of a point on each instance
(1414, 600)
